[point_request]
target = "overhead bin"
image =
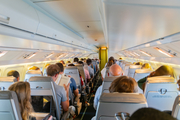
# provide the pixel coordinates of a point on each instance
(21, 15)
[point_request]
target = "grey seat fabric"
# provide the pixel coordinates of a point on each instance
(176, 108)
(74, 73)
(161, 92)
(9, 106)
(126, 68)
(5, 82)
(107, 83)
(132, 69)
(111, 103)
(32, 73)
(141, 73)
(81, 70)
(44, 86)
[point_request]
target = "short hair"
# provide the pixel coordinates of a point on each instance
(124, 84)
(88, 61)
(76, 59)
(34, 68)
(80, 62)
(71, 65)
(61, 67)
(53, 70)
(111, 61)
(13, 73)
(150, 114)
(138, 63)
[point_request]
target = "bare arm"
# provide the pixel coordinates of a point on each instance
(65, 104)
(76, 92)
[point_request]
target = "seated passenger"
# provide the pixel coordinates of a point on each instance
(62, 92)
(110, 62)
(23, 92)
(91, 71)
(62, 62)
(163, 70)
(146, 66)
(72, 81)
(115, 70)
(138, 63)
(34, 68)
(86, 72)
(76, 60)
(15, 74)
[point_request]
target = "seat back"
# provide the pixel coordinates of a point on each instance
(74, 73)
(161, 92)
(126, 68)
(176, 108)
(107, 83)
(44, 86)
(107, 72)
(111, 103)
(141, 73)
(9, 109)
(5, 82)
(132, 69)
(32, 73)
(81, 70)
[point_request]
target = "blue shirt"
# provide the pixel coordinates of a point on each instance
(97, 96)
(73, 85)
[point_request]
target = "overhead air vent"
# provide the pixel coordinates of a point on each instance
(164, 52)
(4, 19)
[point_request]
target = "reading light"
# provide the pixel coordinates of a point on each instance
(145, 53)
(3, 53)
(48, 56)
(136, 54)
(163, 52)
(61, 55)
(30, 56)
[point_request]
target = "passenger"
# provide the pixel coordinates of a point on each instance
(163, 70)
(34, 68)
(91, 71)
(72, 81)
(146, 66)
(15, 74)
(62, 62)
(76, 60)
(111, 61)
(138, 63)
(23, 92)
(150, 114)
(115, 70)
(86, 72)
(62, 92)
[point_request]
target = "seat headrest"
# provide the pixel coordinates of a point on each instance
(40, 79)
(143, 71)
(8, 79)
(7, 94)
(71, 67)
(134, 66)
(110, 79)
(33, 72)
(123, 97)
(160, 79)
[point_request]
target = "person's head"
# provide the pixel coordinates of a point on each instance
(71, 65)
(76, 59)
(62, 62)
(53, 71)
(163, 70)
(150, 114)
(34, 68)
(111, 61)
(82, 59)
(23, 92)
(47, 65)
(61, 67)
(89, 61)
(68, 61)
(14, 73)
(80, 62)
(124, 84)
(115, 70)
(138, 63)
(146, 66)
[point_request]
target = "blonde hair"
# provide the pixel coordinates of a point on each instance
(146, 66)
(23, 92)
(34, 68)
(124, 84)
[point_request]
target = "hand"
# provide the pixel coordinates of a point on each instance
(69, 76)
(50, 118)
(66, 87)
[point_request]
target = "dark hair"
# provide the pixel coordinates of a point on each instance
(53, 70)
(111, 61)
(71, 65)
(80, 62)
(61, 67)
(13, 73)
(150, 114)
(138, 63)
(76, 59)
(123, 84)
(88, 61)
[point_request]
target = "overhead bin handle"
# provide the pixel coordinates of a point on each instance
(4, 19)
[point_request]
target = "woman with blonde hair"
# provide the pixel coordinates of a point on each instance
(146, 66)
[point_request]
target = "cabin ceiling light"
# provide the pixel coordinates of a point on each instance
(147, 54)
(30, 56)
(48, 56)
(136, 54)
(61, 55)
(163, 52)
(3, 53)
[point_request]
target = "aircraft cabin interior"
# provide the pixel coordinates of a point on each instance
(89, 59)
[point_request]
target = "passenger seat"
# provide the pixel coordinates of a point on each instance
(132, 69)
(32, 73)
(5, 82)
(176, 108)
